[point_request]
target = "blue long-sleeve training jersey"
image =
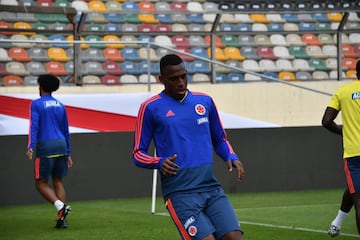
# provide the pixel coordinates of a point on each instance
(49, 128)
(191, 129)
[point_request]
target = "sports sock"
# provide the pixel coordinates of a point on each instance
(58, 205)
(338, 221)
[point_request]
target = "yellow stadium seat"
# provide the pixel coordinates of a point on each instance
(287, 76)
(233, 53)
(97, 6)
(334, 16)
(23, 25)
(259, 18)
(148, 18)
(113, 38)
(219, 54)
(82, 45)
(351, 74)
(58, 54)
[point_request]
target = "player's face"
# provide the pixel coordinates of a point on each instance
(174, 78)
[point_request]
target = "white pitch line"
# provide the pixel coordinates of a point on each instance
(295, 228)
(279, 226)
(286, 207)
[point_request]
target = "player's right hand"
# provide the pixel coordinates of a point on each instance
(169, 168)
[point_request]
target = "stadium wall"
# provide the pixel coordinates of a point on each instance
(275, 159)
(272, 102)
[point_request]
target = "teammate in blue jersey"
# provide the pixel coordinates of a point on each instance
(49, 141)
(185, 128)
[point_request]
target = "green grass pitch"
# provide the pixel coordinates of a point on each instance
(295, 215)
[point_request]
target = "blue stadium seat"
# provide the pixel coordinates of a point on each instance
(112, 27)
(275, 27)
(243, 27)
(227, 27)
(270, 74)
(145, 38)
(130, 67)
(130, 54)
(321, 17)
(114, 18)
(59, 37)
(307, 27)
(221, 77)
(130, 7)
(164, 18)
(196, 18)
(199, 51)
(235, 77)
(199, 66)
(290, 17)
(154, 67)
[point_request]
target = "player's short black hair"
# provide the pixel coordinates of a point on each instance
(48, 82)
(170, 59)
(358, 69)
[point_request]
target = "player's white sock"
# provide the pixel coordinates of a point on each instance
(338, 221)
(59, 205)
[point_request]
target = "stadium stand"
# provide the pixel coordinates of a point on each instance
(297, 41)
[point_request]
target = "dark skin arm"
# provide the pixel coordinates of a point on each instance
(328, 121)
(169, 168)
(239, 167)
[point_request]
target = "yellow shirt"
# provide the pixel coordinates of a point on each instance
(347, 100)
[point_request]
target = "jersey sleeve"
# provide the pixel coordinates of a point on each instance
(143, 138)
(33, 125)
(222, 146)
(66, 132)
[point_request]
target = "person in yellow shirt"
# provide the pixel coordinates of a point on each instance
(347, 100)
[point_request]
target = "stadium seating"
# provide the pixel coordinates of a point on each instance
(16, 68)
(56, 68)
(3, 69)
(128, 78)
(303, 44)
(12, 80)
(112, 68)
(19, 54)
(35, 68)
(110, 80)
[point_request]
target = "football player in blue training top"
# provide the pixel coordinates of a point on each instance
(49, 141)
(185, 127)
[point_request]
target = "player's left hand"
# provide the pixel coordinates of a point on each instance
(29, 154)
(70, 162)
(240, 169)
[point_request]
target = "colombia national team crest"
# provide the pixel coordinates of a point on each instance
(200, 109)
(192, 230)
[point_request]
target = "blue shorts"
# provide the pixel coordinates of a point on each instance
(197, 215)
(54, 167)
(352, 172)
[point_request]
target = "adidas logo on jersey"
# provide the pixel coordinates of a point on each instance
(170, 113)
